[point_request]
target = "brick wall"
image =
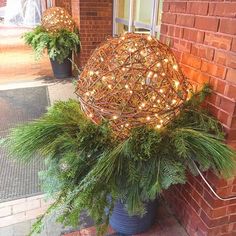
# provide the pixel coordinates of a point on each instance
(94, 18)
(3, 3)
(202, 35)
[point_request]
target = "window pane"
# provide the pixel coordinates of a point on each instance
(123, 9)
(121, 29)
(143, 11)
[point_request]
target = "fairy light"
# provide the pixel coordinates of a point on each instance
(136, 84)
(174, 101)
(57, 18)
(176, 83)
(175, 67)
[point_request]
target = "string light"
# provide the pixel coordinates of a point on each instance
(57, 18)
(153, 74)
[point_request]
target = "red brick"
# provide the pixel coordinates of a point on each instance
(227, 105)
(185, 20)
(164, 29)
(219, 212)
(195, 75)
(225, 58)
(165, 7)
(231, 91)
(222, 9)
(218, 41)
(228, 26)
(206, 23)
(193, 35)
(168, 18)
(231, 75)
(214, 99)
(218, 85)
(178, 7)
(213, 69)
(232, 209)
(233, 48)
(197, 8)
(202, 51)
(191, 60)
(181, 45)
(213, 222)
(175, 31)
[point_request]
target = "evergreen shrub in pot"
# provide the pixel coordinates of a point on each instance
(59, 43)
(114, 178)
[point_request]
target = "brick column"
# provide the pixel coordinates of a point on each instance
(64, 3)
(94, 18)
(202, 36)
(3, 3)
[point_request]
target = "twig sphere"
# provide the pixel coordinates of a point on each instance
(57, 18)
(132, 80)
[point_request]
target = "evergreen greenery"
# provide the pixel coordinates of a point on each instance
(58, 44)
(89, 169)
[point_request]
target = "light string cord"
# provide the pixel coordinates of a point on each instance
(209, 186)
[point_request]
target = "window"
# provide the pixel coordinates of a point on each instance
(137, 16)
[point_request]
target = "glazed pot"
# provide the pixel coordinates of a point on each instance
(122, 223)
(62, 70)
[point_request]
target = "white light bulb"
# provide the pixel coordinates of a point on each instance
(175, 67)
(176, 83)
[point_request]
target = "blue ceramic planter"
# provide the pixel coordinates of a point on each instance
(121, 222)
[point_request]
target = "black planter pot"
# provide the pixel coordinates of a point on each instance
(62, 70)
(122, 223)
